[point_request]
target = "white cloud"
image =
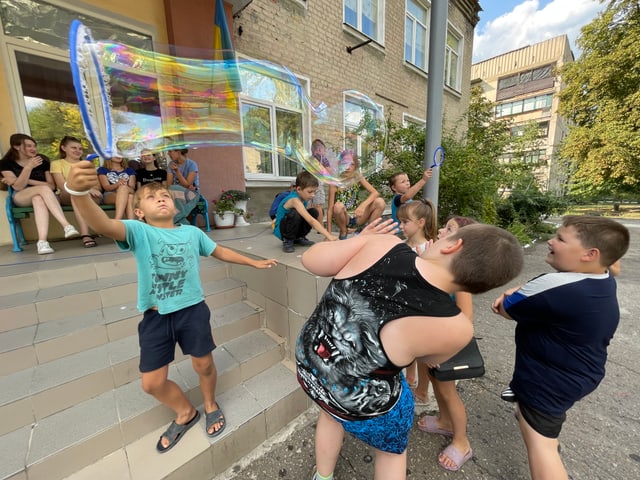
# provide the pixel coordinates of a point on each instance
(527, 24)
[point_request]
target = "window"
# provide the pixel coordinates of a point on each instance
(36, 34)
(452, 57)
(526, 105)
(272, 120)
(415, 34)
(366, 16)
(355, 113)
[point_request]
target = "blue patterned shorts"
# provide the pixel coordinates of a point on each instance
(388, 432)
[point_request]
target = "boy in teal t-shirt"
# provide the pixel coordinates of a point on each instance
(169, 294)
(293, 220)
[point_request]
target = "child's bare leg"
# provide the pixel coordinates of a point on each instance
(167, 392)
(453, 416)
(422, 390)
(341, 217)
(122, 202)
(544, 459)
(329, 437)
(412, 374)
(208, 375)
(374, 210)
(390, 466)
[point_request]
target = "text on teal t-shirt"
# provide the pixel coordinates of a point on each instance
(168, 262)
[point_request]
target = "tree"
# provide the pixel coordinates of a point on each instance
(51, 121)
(602, 99)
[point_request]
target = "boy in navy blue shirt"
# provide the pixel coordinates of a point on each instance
(565, 321)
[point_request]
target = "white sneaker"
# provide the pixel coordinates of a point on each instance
(70, 231)
(44, 247)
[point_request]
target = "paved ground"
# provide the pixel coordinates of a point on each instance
(600, 440)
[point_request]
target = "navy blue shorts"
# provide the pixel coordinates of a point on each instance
(388, 432)
(158, 335)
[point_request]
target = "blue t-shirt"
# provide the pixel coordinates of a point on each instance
(565, 321)
(185, 169)
(281, 212)
(168, 264)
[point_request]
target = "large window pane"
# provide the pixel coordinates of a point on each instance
(256, 129)
(351, 13)
(290, 138)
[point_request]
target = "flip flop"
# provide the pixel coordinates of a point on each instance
(215, 417)
(175, 432)
(431, 426)
(456, 456)
(88, 241)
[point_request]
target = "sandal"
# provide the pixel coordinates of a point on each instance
(456, 456)
(175, 432)
(429, 424)
(215, 417)
(88, 241)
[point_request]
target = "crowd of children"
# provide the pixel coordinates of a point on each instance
(392, 305)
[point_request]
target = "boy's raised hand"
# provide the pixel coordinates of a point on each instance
(82, 177)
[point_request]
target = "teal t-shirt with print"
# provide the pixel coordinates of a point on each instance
(168, 261)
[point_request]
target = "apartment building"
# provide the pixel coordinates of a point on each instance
(330, 46)
(524, 84)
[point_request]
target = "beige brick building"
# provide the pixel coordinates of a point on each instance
(309, 38)
(524, 84)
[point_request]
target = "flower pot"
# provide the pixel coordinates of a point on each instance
(225, 220)
(240, 220)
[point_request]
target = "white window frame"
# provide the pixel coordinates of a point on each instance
(350, 125)
(275, 177)
(414, 20)
(447, 59)
(379, 34)
(408, 119)
(10, 45)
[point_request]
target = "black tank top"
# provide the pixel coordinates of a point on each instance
(341, 362)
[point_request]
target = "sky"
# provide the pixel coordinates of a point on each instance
(506, 25)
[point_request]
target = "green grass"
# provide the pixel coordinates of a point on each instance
(629, 210)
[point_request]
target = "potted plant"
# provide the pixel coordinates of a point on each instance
(240, 199)
(225, 211)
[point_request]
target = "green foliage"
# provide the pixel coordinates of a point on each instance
(474, 172)
(227, 203)
(602, 99)
(53, 120)
(527, 210)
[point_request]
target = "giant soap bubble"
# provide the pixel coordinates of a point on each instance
(132, 99)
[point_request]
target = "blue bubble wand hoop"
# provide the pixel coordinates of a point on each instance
(437, 161)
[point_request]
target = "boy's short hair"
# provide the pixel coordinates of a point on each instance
(490, 257)
(305, 179)
(317, 143)
(153, 187)
(393, 178)
(611, 238)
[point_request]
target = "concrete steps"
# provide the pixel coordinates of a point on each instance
(70, 395)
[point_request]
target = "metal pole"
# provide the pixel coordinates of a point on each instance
(435, 86)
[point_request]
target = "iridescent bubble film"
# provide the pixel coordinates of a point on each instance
(133, 99)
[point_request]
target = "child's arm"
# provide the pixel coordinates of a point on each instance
(83, 177)
(498, 307)
(373, 194)
(332, 201)
(328, 259)
(231, 256)
(414, 189)
(300, 208)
